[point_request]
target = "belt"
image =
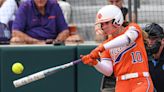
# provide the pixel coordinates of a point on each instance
(132, 75)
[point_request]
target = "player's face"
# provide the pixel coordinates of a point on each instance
(40, 3)
(116, 2)
(108, 27)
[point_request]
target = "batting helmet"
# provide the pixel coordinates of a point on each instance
(108, 13)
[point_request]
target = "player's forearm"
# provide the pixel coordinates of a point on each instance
(122, 40)
(20, 37)
(105, 67)
(62, 36)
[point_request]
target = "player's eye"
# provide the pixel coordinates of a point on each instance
(105, 23)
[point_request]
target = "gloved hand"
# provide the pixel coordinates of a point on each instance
(95, 53)
(87, 59)
(90, 59)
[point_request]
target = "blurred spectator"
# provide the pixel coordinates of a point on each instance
(39, 22)
(154, 46)
(1, 2)
(66, 8)
(7, 11)
(74, 37)
(124, 10)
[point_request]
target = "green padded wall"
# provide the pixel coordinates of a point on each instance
(36, 59)
(89, 79)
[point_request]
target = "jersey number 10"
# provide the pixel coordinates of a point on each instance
(136, 57)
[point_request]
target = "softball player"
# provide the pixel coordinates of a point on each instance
(123, 53)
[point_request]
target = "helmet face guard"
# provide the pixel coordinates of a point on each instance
(109, 13)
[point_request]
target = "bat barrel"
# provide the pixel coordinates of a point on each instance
(43, 74)
(28, 79)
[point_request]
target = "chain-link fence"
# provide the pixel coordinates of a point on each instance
(151, 11)
(84, 12)
(83, 15)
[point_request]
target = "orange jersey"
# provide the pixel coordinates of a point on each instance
(128, 59)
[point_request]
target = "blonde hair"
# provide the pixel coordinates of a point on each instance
(145, 35)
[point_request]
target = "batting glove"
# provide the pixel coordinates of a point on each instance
(87, 59)
(95, 53)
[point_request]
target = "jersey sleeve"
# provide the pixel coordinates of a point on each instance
(136, 27)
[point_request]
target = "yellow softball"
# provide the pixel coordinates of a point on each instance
(17, 68)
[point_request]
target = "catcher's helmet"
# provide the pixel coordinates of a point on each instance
(154, 30)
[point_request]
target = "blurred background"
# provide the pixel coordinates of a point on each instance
(80, 77)
(84, 12)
